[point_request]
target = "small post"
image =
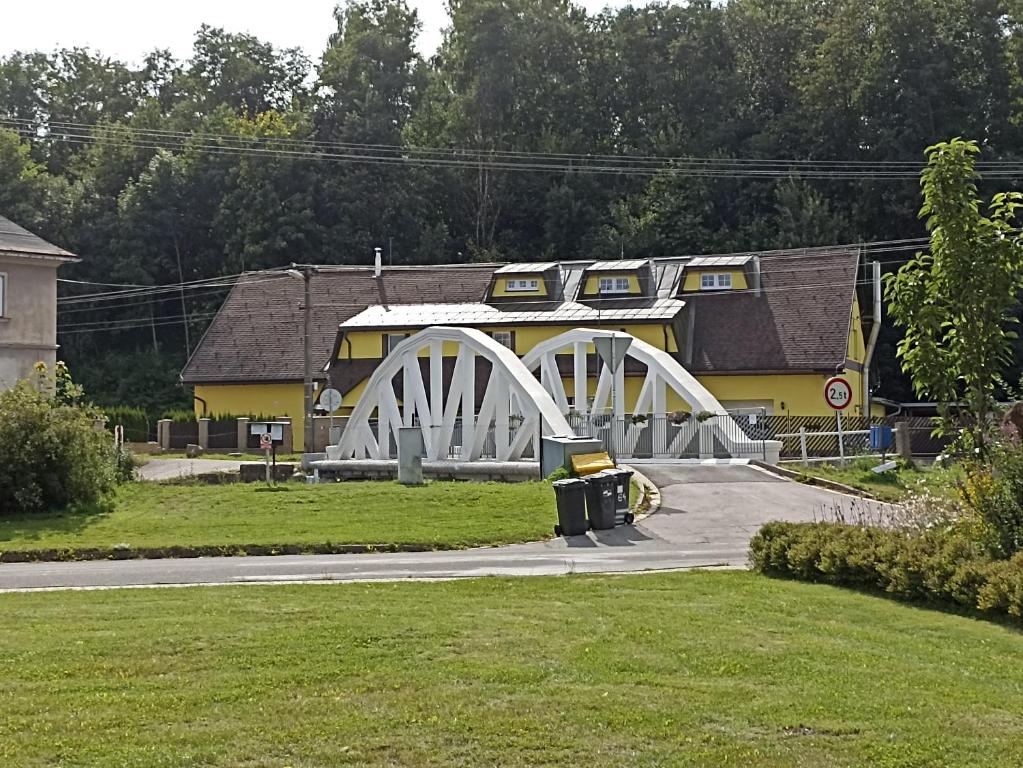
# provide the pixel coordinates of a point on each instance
(204, 434)
(267, 458)
(841, 440)
(243, 434)
(903, 440)
(802, 446)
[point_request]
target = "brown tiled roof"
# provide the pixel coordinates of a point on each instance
(800, 322)
(257, 335)
(18, 240)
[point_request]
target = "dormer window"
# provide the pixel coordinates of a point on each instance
(613, 285)
(710, 281)
(531, 284)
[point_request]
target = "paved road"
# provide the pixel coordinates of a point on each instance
(172, 469)
(707, 517)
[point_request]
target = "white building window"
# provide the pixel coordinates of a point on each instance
(613, 285)
(393, 340)
(523, 285)
(715, 282)
(3, 294)
(507, 338)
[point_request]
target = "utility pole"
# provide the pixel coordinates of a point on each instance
(306, 273)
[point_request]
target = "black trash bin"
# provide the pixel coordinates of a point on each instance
(571, 497)
(600, 500)
(623, 489)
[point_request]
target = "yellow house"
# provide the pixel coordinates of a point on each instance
(762, 330)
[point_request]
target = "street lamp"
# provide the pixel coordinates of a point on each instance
(305, 273)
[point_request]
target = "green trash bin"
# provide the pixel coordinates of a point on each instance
(570, 495)
(600, 500)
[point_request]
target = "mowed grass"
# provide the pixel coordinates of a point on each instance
(701, 669)
(442, 514)
(894, 485)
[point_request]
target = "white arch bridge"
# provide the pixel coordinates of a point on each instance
(475, 399)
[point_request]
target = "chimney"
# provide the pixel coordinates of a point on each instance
(756, 275)
(376, 262)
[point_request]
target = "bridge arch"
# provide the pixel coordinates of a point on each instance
(513, 412)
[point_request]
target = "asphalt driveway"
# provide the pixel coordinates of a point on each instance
(707, 517)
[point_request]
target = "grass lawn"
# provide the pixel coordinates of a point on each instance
(890, 486)
(701, 669)
(441, 514)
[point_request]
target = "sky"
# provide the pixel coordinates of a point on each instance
(128, 29)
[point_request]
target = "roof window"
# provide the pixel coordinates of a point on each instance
(613, 285)
(715, 281)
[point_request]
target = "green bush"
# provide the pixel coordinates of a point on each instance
(51, 454)
(135, 421)
(938, 566)
(995, 492)
(559, 474)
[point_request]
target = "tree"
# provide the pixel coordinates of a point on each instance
(955, 300)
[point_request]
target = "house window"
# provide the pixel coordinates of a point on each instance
(391, 340)
(507, 338)
(715, 282)
(613, 285)
(3, 295)
(523, 285)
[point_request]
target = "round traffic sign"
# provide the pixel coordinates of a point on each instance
(265, 440)
(838, 393)
(330, 399)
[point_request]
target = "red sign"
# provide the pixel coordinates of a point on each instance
(265, 441)
(838, 393)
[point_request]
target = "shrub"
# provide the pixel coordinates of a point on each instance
(995, 493)
(51, 454)
(938, 565)
(559, 474)
(134, 420)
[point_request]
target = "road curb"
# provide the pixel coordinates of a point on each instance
(818, 482)
(651, 493)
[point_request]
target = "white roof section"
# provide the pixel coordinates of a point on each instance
(526, 268)
(568, 313)
(622, 265)
(704, 262)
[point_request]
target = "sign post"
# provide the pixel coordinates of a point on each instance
(266, 443)
(612, 349)
(838, 395)
(330, 399)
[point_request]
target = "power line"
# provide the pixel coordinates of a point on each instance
(473, 159)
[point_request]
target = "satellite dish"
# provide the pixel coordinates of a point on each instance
(330, 399)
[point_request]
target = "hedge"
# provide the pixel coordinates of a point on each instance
(933, 566)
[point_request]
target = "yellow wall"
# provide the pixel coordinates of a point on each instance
(257, 399)
(593, 283)
(692, 281)
(501, 288)
(369, 344)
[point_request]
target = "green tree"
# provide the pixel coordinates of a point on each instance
(954, 301)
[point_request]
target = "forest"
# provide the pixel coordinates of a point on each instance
(535, 131)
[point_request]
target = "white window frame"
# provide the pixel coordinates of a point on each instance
(393, 340)
(613, 285)
(711, 281)
(504, 338)
(3, 295)
(531, 284)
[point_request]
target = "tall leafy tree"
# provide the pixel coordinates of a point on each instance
(955, 301)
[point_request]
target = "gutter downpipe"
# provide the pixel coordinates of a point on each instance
(875, 329)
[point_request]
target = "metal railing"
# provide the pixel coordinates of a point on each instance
(680, 436)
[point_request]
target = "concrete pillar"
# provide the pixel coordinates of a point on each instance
(163, 433)
(204, 434)
(903, 440)
(410, 455)
(243, 434)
